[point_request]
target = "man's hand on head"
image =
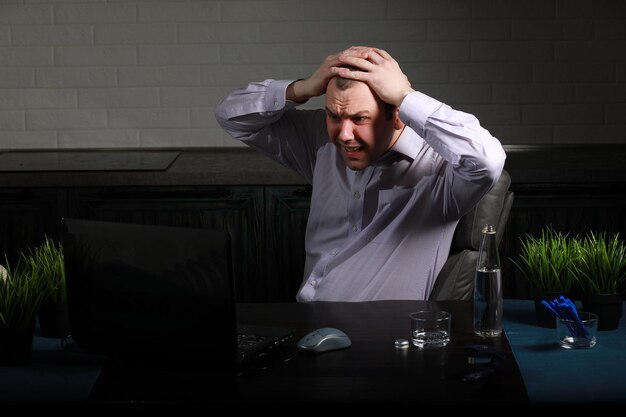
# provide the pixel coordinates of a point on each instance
(315, 85)
(378, 69)
(373, 66)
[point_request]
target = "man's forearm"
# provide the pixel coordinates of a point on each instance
(296, 92)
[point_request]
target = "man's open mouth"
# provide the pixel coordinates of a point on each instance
(353, 148)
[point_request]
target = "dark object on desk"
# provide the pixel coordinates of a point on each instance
(323, 340)
(456, 279)
(151, 294)
(255, 342)
(483, 354)
(487, 358)
(480, 374)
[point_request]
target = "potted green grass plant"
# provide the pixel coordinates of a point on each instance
(22, 292)
(545, 261)
(48, 262)
(600, 270)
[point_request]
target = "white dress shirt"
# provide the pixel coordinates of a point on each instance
(384, 232)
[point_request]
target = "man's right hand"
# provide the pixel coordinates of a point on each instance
(315, 85)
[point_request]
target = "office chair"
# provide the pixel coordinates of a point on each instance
(456, 279)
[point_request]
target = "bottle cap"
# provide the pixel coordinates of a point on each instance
(490, 229)
(401, 343)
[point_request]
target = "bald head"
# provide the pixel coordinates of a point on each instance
(343, 84)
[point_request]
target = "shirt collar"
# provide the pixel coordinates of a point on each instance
(409, 143)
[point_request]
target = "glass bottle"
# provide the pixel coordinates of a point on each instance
(488, 287)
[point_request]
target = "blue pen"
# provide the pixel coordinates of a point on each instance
(549, 307)
(554, 307)
(564, 308)
(567, 315)
(573, 307)
(582, 331)
(573, 315)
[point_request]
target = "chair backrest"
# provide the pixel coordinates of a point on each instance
(456, 279)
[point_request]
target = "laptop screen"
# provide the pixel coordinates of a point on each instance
(140, 291)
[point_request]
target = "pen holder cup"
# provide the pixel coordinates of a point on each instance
(577, 334)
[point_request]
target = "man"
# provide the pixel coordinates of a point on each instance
(392, 172)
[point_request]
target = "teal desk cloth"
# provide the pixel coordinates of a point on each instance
(557, 376)
(56, 374)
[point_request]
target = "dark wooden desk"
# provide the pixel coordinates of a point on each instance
(372, 370)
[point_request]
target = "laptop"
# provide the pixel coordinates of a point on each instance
(145, 293)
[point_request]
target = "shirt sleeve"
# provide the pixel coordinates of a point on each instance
(260, 116)
(455, 135)
(246, 111)
(475, 158)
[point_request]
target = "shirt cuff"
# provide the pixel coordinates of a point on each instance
(275, 96)
(416, 108)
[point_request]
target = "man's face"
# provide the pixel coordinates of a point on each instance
(358, 125)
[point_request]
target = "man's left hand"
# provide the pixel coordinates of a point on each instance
(380, 71)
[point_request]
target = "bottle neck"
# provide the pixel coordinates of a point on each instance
(488, 257)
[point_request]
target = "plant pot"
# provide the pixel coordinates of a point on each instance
(608, 307)
(16, 344)
(54, 319)
(543, 316)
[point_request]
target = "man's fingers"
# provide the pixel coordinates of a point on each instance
(348, 73)
(366, 58)
(384, 54)
(358, 52)
(361, 63)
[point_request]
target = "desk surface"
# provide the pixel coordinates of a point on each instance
(372, 370)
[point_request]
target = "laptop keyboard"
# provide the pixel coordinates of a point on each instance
(246, 341)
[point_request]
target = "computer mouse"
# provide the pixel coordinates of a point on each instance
(323, 340)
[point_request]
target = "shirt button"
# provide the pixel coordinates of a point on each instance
(356, 195)
(333, 252)
(354, 228)
(276, 104)
(314, 283)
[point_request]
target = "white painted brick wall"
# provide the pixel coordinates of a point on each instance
(4, 35)
(148, 73)
(17, 77)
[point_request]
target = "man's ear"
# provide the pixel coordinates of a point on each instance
(397, 123)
